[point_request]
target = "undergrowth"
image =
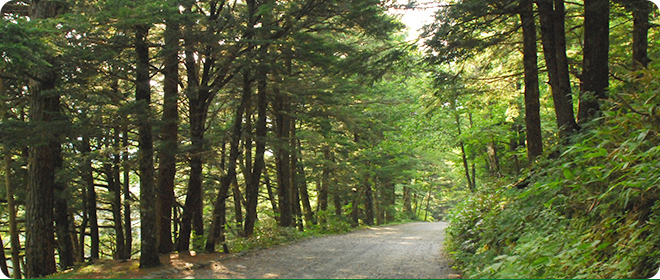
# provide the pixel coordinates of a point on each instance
(268, 234)
(592, 212)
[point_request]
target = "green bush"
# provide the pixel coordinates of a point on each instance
(592, 212)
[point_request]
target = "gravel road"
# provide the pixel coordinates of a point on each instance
(411, 250)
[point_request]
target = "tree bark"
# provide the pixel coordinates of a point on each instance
(14, 242)
(238, 208)
(368, 204)
(336, 200)
(389, 199)
(595, 69)
(283, 159)
(148, 203)
(640, 12)
(378, 204)
(198, 113)
(355, 208)
(271, 194)
(169, 137)
(128, 247)
(3, 260)
(296, 180)
(323, 188)
(88, 178)
(39, 247)
(466, 168)
(192, 211)
(252, 190)
(216, 234)
(44, 112)
(407, 201)
(302, 187)
(554, 49)
(530, 63)
(115, 188)
(62, 222)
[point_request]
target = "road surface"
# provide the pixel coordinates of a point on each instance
(412, 250)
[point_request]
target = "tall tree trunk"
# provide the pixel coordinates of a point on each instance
(192, 211)
(216, 234)
(283, 159)
(191, 218)
(323, 187)
(564, 79)
(115, 188)
(493, 158)
(368, 203)
(169, 137)
(554, 48)
(378, 204)
(128, 231)
(238, 202)
(407, 201)
(302, 187)
(3, 259)
(62, 223)
(595, 69)
(247, 167)
(355, 207)
(389, 199)
(39, 247)
(252, 190)
(90, 191)
(295, 178)
(83, 225)
(466, 167)
(641, 11)
(428, 203)
(148, 203)
(271, 194)
(336, 200)
(14, 242)
(44, 112)
(530, 63)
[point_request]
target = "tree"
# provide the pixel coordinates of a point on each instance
(90, 198)
(641, 12)
(148, 203)
(551, 19)
(205, 78)
(532, 104)
(14, 241)
(595, 76)
(44, 112)
(169, 130)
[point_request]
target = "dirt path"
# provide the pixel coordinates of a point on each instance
(411, 250)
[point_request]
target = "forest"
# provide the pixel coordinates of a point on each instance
(134, 129)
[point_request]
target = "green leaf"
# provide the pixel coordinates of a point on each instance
(602, 246)
(600, 152)
(568, 174)
(642, 135)
(541, 260)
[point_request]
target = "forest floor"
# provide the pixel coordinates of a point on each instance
(412, 250)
